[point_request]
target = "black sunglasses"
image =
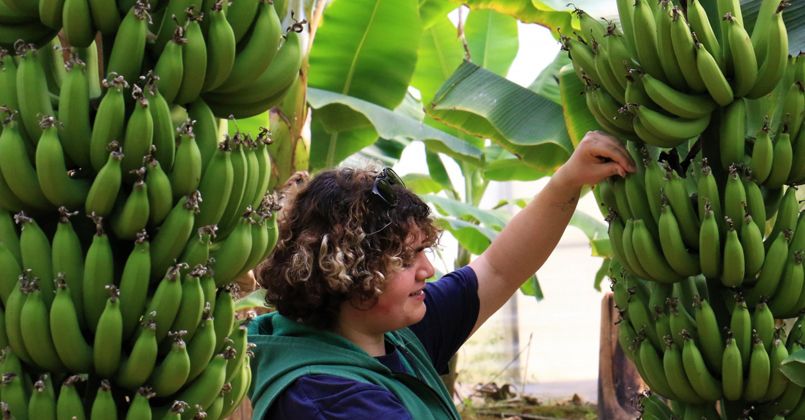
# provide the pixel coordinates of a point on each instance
(382, 186)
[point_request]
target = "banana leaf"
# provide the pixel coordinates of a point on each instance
(578, 119)
(531, 287)
(595, 231)
(422, 184)
(492, 40)
(440, 53)
(485, 105)
(255, 299)
(793, 367)
(472, 237)
(366, 49)
(465, 211)
(794, 17)
(431, 11)
(331, 146)
(527, 12)
(547, 83)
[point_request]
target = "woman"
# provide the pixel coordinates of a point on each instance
(358, 334)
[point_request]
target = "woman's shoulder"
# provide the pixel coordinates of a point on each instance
(331, 397)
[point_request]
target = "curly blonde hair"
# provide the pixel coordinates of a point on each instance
(338, 242)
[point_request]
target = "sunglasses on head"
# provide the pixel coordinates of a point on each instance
(382, 187)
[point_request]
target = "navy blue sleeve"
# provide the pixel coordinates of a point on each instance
(452, 310)
(326, 397)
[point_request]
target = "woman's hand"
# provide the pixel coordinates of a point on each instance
(597, 157)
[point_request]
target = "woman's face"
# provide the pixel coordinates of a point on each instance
(402, 302)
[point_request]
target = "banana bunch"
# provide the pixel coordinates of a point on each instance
(659, 77)
(690, 350)
(125, 212)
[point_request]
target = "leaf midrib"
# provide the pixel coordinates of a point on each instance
(352, 66)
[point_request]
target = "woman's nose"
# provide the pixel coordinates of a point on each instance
(426, 269)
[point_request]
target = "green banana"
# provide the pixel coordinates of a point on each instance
(221, 46)
(741, 52)
(138, 366)
(170, 65)
(675, 374)
(134, 282)
(778, 382)
(702, 381)
(110, 120)
(166, 300)
(71, 346)
(783, 160)
(192, 303)
(51, 170)
(757, 381)
(32, 91)
(17, 168)
(99, 272)
(104, 17)
(128, 49)
(77, 23)
(732, 372)
(629, 250)
(205, 129)
(731, 134)
(646, 43)
(42, 404)
(208, 385)
(761, 30)
(239, 170)
(68, 258)
(223, 317)
(755, 205)
(35, 250)
(700, 25)
(679, 103)
(10, 270)
(139, 133)
(608, 80)
(216, 186)
(762, 154)
(106, 186)
(741, 327)
(776, 57)
(173, 234)
(793, 108)
(231, 256)
(15, 395)
(260, 48)
(197, 251)
(714, 80)
(103, 406)
(201, 347)
(650, 256)
(790, 288)
(673, 247)
(797, 175)
(787, 213)
(37, 334)
(772, 271)
(171, 374)
(734, 268)
(710, 338)
(763, 324)
(708, 192)
(669, 63)
(160, 194)
(74, 115)
(186, 173)
(734, 196)
(132, 217)
(683, 208)
(194, 56)
(164, 139)
(69, 404)
(140, 408)
(108, 342)
(752, 243)
(685, 50)
(12, 317)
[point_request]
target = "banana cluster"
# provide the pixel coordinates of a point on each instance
(125, 213)
(686, 353)
(661, 84)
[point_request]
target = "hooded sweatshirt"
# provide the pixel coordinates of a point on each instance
(287, 350)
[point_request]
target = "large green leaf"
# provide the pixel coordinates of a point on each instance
(531, 287)
(440, 53)
(794, 17)
(473, 238)
(577, 117)
(547, 83)
(595, 231)
(528, 12)
(465, 211)
(485, 105)
(366, 49)
(492, 40)
(331, 146)
(430, 11)
(255, 299)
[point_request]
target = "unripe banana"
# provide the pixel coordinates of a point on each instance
(646, 43)
(732, 372)
(166, 300)
(15, 395)
(164, 133)
(752, 243)
(702, 381)
(763, 324)
(194, 56)
(233, 253)
(741, 327)
(673, 247)
(679, 200)
(787, 214)
(757, 382)
(69, 342)
(223, 317)
(99, 272)
(206, 387)
(171, 374)
(106, 186)
(42, 404)
(77, 23)
(36, 333)
(35, 249)
(216, 187)
(734, 196)
(74, 115)
(787, 295)
(710, 338)
(136, 369)
(685, 51)
(776, 59)
(17, 169)
(186, 173)
(675, 374)
(32, 91)
(140, 408)
(134, 282)
(762, 153)
(173, 234)
(139, 134)
(741, 52)
(677, 102)
(110, 120)
(700, 25)
(783, 160)
(103, 406)
(712, 76)
(170, 66)
(734, 269)
(778, 382)
(51, 170)
(192, 303)
(129, 45)
(160, 195)
(772, 271)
